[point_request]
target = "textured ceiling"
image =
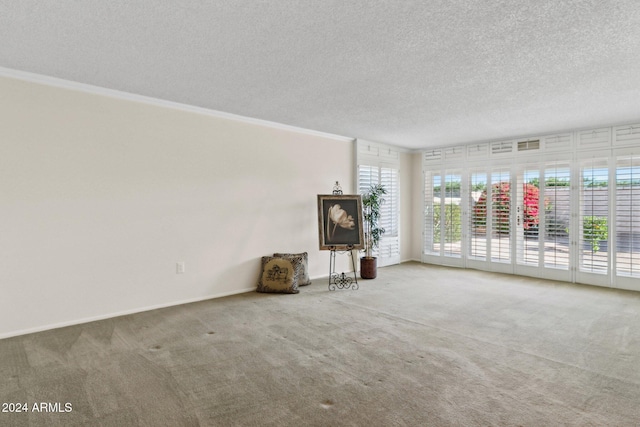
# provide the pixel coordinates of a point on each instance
(411, 73)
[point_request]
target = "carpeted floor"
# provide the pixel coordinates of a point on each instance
(419, 346)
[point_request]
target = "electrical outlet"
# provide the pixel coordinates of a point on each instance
(180, 267)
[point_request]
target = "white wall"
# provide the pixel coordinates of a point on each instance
(410, 188)
(416, 208)
(100, 197)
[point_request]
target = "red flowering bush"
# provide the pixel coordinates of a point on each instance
(501, 203)
(531, 197)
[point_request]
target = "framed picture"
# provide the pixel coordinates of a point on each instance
(340, 222)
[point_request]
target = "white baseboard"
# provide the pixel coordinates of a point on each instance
(121, 313)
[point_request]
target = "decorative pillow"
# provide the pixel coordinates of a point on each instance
(280, 275)
(303, 280)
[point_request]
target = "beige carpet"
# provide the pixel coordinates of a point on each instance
(418, 346)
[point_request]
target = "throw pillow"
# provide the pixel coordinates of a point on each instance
(304, 279)
(280, 275)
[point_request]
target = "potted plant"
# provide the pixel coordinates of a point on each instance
(371, 201)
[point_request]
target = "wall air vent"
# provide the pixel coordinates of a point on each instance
(529, 145)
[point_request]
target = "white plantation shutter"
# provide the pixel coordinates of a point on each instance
(594, 139)
(380, 164)
(500, 214)
(628, 216)
(587, 225)
(432, 157)
(389, 220)
(443, 216)
(431, 229)
(627, 135)
(504, 147)
(527, 251)
(593, 215)
(560, 142)
(451, 153)
(478, 151)
(556, 213)
(478, 248)
(451, 213)
(367, 176)
(389, 250)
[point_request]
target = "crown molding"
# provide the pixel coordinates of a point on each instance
(112, 93)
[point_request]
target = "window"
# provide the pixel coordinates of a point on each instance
(367, 176)
(478, 217)
(389, 218)
(556, 193)
(527, 207)
(432, 197)
(628, 216)
(564, 207)
(444, 218)
(500, 196)
(380, 164)
(593, 219)
(451, 214)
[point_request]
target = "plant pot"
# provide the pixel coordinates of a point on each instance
(368, 267)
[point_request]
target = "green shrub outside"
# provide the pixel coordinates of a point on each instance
(594, 230)
(452, 223)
